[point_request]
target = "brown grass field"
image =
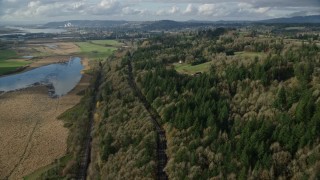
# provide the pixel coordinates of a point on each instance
(31, 136)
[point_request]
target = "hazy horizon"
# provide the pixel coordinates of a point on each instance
(42, 11)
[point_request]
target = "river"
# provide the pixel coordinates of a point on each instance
(60, 78)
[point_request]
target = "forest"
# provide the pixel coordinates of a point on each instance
(253, 114)
(252, 117)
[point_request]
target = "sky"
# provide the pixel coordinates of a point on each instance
(40, 11)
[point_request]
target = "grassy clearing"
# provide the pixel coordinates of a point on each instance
(7, 65)
(189, 69)
(11, 65)
(45, 171)
(7, 54)
(251, 54)
(94, 51)
(295, 28)
(106, 42)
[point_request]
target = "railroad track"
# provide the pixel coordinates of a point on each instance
(161, 137)
(85, 156)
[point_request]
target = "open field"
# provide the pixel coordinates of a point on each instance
(7, 66)
(189, 69)
(8, 63)
(49, 49)
(33, 136)
(250, 54)
(95, 51)
(7, 54)
(106, 42)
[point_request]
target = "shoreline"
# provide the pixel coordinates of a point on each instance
(43, 54)
(84, 62)
(45, 61)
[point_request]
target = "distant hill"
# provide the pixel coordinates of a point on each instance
(86, 23)
(297, 19)
(170, 24)
(146, 25)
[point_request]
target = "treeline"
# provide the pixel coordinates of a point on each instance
(77, 120)
(245, 118)
(124, 140)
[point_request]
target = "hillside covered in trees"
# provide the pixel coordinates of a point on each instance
(233, 105)
(254, 114)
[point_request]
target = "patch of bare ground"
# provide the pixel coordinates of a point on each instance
(48, 60)
(57, 48)
(30, 134)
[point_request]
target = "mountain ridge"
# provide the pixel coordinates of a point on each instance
(170, 24)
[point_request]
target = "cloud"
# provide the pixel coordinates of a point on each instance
(190, 10)
(155, 9)
(105, 7)
(171, 11)
(133, 11)
(286, 3)
(208, 9)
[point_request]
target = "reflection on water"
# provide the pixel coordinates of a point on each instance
(60, 78)
(40, 30)
(27, 57)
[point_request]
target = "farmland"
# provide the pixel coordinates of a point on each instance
(96, 50)
(8, 61)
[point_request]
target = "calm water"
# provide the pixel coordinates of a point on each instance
(60, 78)
(33, 30)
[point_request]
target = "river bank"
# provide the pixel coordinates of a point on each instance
(33, 54)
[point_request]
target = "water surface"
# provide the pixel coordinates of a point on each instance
(38, 30)
(23, 31)
(60, 78)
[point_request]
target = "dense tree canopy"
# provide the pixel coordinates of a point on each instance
(247, 117)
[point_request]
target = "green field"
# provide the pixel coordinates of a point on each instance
(96, 51)
(7, 54)
(189, 69)
(11, 65)
(6, 64)
(106, 42)
(250, 54)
